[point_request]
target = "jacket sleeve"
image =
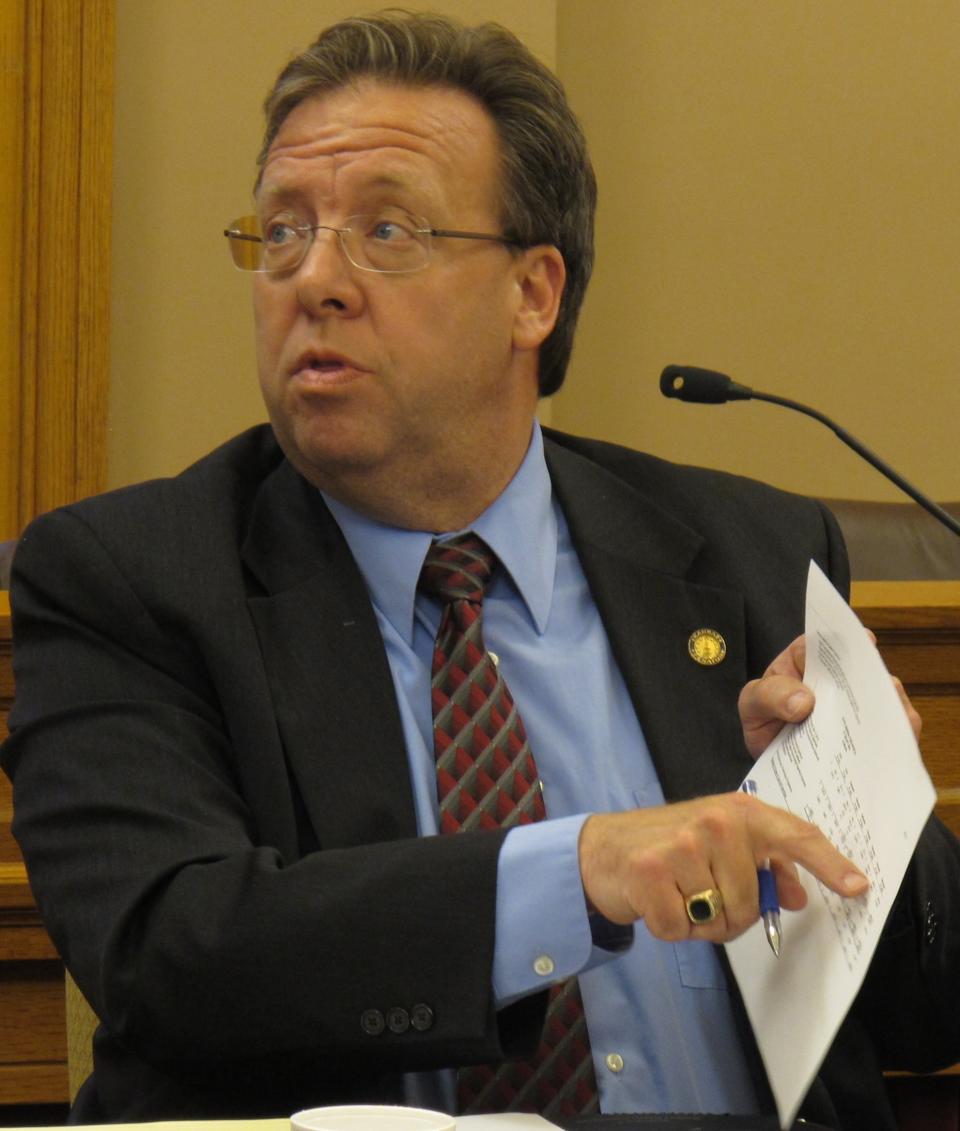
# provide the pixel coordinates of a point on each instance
(194, 922)
(910, 1000)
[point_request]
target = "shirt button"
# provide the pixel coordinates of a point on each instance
(544, 965)
(614, 1061)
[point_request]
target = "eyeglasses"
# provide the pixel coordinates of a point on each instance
(391, 241)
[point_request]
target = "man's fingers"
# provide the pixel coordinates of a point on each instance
(766, 704)
(778, 697)
(809, 848)
(913, 716)
(788, 840)
(645, 864)
(791, 893)
(792, 661)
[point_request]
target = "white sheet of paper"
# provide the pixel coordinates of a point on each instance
(509, 1121)
(853, 768)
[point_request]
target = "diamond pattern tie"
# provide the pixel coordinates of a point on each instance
(487, 778)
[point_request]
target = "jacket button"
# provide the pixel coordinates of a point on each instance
(372, 1022)
(398, 1020)
(421, 1017)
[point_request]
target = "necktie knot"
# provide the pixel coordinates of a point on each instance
(458, 569)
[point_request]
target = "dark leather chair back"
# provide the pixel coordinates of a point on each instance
(897, 541)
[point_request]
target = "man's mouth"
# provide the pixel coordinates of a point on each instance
(322, 370)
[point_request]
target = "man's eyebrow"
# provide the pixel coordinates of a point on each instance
(389, 181)
(276, 193)
(282, 192)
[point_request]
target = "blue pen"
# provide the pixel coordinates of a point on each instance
(769, 904)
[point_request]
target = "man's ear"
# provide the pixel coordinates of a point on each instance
(541, 275)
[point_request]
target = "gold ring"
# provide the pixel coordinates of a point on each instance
(704, 907)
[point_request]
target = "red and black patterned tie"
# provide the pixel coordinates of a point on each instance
(487, 778)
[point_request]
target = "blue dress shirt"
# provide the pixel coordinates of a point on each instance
(659, 1015)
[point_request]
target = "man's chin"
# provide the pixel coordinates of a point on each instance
(329, 460)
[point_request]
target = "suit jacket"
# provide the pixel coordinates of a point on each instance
(212, 792)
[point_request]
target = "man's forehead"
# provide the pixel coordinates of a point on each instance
(392, 120)
(371, 170)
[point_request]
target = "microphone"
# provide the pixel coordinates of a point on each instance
(707, 386)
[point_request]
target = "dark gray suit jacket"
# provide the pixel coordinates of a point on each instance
(212, 793)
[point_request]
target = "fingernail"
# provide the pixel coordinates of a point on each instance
(855, 882)
(798, 701)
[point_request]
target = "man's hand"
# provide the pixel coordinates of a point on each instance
(780, 696)
(645, 863)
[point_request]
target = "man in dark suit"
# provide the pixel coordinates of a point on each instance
(222, 745)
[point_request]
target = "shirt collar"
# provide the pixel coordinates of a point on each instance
(520, 526)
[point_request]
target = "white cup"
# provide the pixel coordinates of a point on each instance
(371, 1117)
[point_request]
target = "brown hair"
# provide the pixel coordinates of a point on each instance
(549, 189)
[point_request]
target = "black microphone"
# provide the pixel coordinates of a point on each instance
(706, 386)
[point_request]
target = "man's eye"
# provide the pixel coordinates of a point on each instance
(389, 231)
(279, 233)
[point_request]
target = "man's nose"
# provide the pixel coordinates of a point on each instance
(327, 241)
(326, 277)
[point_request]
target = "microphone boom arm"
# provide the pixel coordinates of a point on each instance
(862, 450)
(707, 386)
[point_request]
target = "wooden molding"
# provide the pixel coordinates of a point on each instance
(56, 94)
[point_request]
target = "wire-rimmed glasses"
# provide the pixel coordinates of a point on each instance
(390, 241)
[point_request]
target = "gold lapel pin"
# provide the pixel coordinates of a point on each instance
(707, 647)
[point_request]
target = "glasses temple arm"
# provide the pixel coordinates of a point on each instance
(449, 233)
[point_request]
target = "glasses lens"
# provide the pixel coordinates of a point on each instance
(246, 244)
(390, 240)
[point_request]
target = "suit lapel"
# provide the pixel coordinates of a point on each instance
(638, 561)
(332, 687)
(327, 668)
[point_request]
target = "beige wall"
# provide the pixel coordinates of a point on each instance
(191, 78)
(780, 198)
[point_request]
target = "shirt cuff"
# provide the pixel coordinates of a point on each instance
(544, 933)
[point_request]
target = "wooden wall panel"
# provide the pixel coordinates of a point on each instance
(12, 53)
(55, 194)
(917, 625)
